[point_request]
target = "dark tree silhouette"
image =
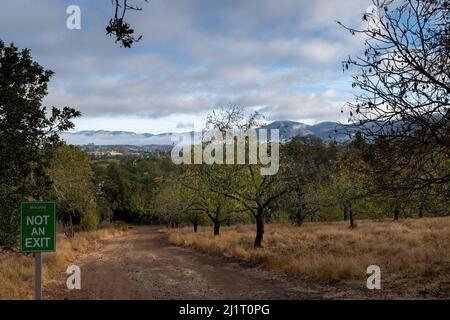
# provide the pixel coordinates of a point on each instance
(403, 79)
(119, 28)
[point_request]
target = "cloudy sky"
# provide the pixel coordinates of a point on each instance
(281, 57)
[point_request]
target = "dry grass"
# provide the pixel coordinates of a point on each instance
(332, 250)
(17, 270)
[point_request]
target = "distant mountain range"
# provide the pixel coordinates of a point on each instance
(288, 130)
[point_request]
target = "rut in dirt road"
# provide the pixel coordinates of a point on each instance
(145, 266)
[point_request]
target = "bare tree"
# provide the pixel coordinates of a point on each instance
(404, 82)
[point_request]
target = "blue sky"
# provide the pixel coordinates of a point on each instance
(278, 56)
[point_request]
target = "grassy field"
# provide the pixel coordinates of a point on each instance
(413, 255)
(17, 270)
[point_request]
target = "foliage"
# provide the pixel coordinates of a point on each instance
(73, 186)
(403, 77)
(28, 135)
(119, 28)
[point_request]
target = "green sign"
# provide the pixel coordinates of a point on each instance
(38, 227)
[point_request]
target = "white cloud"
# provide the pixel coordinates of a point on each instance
(283, 56)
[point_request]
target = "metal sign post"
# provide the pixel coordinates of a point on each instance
(38, 234)
(38, 276)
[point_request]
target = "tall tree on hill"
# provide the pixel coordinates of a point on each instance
(28, 135)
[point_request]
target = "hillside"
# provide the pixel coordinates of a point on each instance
(288, 130)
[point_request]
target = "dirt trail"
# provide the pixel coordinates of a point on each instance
(145, 266)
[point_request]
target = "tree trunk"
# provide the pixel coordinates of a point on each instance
(421, 210)
(216, 228)
(345, 214)
(396, 213)
(195, 226)
(68, 228)
(300, 219)
(259, 231)
(352, 220)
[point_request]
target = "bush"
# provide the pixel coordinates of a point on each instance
(9, 219)
(120, 225)
(89, 221)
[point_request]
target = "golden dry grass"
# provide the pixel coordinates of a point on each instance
(17, 270)
(332, 250)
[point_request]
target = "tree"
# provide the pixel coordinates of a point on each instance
(28, 135)
(308, 163)
(244, 183)
(73, 187)
(124, 193)
(173, 204)
(351, 181)
(129, 188)
(195, 217)
(257, 193)
(404, 82)
(200, 181)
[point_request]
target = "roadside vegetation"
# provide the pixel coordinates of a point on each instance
(17, 270)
